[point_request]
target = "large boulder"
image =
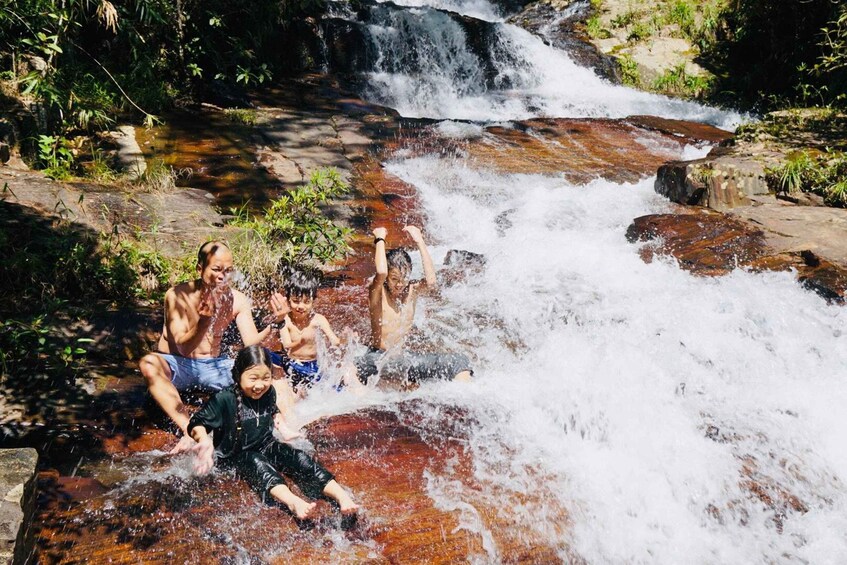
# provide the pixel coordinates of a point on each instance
(17, 487)
(720, 181)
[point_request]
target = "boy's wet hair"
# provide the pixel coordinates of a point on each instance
(301, 283)
(209, 249)
(399, 259)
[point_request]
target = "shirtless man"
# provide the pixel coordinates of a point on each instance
(392, 300)
(188, 352)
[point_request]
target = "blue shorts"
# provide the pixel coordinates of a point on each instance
(299, 373)
(212, 374)
(302, 372)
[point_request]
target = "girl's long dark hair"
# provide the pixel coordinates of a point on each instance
(250, 356)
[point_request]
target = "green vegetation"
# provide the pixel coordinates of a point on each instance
(159, 178)
(823, 173)
(244, 116)
(292, 230)
(85, 63)
(29, 348)
(51, 262)
(595, 28)
(55, 156)
(770, 55)
(629, 70)
(677, 81)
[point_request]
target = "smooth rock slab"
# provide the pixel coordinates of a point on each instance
(17, 487)
(713, 244)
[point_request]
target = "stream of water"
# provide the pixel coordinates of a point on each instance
(676, 419)
(649, 399)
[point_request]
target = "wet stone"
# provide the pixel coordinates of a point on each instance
(17, 487)
(713, 244)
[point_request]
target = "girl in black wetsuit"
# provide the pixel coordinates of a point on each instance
(243, 417)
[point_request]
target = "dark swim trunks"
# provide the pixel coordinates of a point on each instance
(300, 373)
(412, 367)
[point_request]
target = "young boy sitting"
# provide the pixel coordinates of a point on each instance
(298, 333)
(392, 300)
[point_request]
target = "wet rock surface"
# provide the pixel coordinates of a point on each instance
(582, 149)
(386, 456)
(709, 243)
(17, 489)
(561, 24)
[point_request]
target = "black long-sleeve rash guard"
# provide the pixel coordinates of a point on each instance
(218, 415)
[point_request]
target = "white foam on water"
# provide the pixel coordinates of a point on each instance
(647, 398)
(479, 9)
(425, 66)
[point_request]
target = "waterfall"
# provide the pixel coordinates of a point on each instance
(678, 419)
(428, 62)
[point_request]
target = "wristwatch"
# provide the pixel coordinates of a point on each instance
(278, 325)
(378, 239)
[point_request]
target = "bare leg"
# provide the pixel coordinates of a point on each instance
(336, 492)
(297, 505)
(463, 377)
(157, 374)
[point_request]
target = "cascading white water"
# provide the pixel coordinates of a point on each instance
(479, 9)
(426, 67)
(640, 392)
(655, 404)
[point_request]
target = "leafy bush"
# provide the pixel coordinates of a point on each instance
(677, 81)
(55, 156)
(629, 70)
(824, 174)
(292, 230)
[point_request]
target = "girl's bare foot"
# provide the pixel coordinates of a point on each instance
(348, 508)
(301, 508)
(336, 492)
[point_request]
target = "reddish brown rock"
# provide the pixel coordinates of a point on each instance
(704, 242)
(710, 243)
(583, 149)
(383, 455)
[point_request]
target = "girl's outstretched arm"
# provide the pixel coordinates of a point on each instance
(203, 451)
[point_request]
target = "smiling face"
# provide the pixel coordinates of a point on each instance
(256, 381)
(397, 282)
(217, 270)
(301, 304)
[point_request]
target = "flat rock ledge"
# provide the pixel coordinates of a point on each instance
(17, 486)
(709, 243)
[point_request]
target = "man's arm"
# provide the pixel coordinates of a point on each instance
(244, 320)
(185, 335)
(429, 270)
